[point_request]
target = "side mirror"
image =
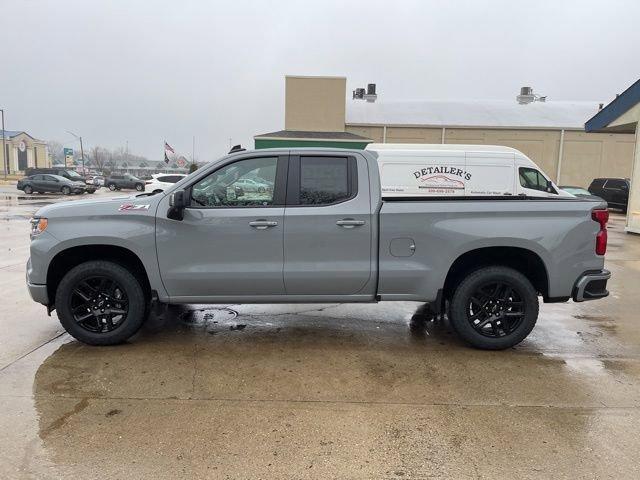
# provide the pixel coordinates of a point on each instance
(177, 204)
(549, 187)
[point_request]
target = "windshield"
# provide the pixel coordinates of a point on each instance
(74, 175)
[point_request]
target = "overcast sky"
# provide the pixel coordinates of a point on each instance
(145, 71)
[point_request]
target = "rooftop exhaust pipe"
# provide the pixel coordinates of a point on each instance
(527, 96)
(369, 94)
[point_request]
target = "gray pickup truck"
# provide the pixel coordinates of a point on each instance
(318, 231)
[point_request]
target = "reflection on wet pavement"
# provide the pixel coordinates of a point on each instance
(327, 391)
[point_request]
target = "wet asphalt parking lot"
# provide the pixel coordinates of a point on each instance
(318, 391)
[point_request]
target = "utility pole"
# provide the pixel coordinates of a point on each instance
(78, 137)
(4, 148)
(193, 150)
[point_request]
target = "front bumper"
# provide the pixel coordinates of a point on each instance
(591, 286)
(37, 291)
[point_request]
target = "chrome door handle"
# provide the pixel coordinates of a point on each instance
(262, 224)
(350, 223)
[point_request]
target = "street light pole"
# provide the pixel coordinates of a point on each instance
(4, 148)
(78, 137)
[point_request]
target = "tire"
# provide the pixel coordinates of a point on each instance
(492, 318)
(139, 187)
(261, 190)
(112, 187)
(28, 189)
(121, 291)
(90, 191)
(65, 190)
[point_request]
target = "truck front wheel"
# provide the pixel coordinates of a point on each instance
(494, 308)
(100, 303)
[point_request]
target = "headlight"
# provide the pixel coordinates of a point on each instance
(38, 225)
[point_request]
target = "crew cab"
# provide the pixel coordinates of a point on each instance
(324, 233)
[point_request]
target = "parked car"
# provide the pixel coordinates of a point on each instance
(579, 192)
(254, 185)
(67, 173)
(95, 180)
(615, 191)
(162, 181)
(50, 183)
(124, 181)
(326, 233)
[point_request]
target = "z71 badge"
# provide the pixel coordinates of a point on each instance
(126, 207)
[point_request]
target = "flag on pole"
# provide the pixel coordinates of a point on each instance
(167, 149)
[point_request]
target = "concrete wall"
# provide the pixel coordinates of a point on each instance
(585, 155)
(315, 103)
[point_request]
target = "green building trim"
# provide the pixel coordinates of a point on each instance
(292, 143)
(298, 138)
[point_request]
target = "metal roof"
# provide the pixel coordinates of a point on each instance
(448, 147)
(10, 133)
(303, 135)
(621, 104)
(472, 113)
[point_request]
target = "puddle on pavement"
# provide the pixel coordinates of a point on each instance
(211, 319)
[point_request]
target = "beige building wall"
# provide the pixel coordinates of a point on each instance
(585, 155)
(36, 152)
(315, 104)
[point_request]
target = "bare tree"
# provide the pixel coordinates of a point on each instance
(98, 158)
(56, 150)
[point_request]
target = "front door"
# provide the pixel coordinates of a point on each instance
(22, 157)
(327, 226)
(230, 241)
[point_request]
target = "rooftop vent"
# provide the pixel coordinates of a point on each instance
(527, 96)
(369, 94)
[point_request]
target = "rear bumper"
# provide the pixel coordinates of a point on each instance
(591, 286)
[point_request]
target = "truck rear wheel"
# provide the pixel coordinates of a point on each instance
(100, 303)
(494, 308)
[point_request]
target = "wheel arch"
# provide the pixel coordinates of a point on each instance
(70, 257)
(523, 260)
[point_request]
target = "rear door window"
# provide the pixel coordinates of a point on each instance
(326, 180)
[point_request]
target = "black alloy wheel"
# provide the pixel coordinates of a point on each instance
(99, 304)
(495, 309)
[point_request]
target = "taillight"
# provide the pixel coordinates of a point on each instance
(602, 217)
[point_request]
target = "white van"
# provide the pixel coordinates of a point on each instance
(459, 170)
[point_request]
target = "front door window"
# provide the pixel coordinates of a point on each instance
(247, 183)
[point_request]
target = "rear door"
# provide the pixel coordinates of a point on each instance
(50, 184)
(327, 225)
(616, 191)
